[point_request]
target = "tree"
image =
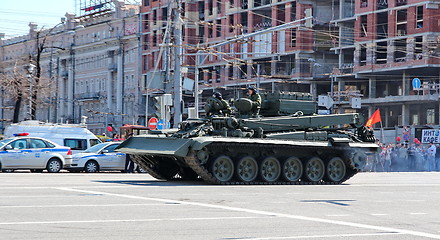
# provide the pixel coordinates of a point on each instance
(41, 38)
(14, 85)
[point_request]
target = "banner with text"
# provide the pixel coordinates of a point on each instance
(430, 135)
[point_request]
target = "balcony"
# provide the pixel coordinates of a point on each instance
(87, 96)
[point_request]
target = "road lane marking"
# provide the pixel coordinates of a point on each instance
(265, 213)
(418, 213)
(379, 214)
(86, 205)
(330, 236)
(338, 215)
(125, 220)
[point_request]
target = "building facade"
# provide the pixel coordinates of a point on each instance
(389, 51)
(89, 68)
(362, 54)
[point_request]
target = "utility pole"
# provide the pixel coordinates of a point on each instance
(196, 85)
(177, 63)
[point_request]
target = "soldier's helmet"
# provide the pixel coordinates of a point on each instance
(254, 90)
(217, 95)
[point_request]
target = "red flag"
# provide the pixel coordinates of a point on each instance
(374, 119)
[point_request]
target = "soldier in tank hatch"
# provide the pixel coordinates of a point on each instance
(255, 97)
(221, 107)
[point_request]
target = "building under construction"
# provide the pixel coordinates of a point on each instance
(361, 54)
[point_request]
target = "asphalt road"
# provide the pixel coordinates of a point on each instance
(136, 206)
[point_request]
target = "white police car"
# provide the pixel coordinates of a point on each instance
(98, 157)
(33, 153)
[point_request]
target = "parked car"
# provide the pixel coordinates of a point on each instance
(75, 136)
(100, 157)
(33, 153)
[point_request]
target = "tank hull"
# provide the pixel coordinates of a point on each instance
(226, 160)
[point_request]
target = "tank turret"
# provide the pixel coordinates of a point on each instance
(286, 143)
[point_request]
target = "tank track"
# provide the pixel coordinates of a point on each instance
(143, 163)
(194, 163)
(204, 173)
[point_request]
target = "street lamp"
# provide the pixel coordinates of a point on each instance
(30, 69)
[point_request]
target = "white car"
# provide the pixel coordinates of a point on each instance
(98, 157)
(35, 154)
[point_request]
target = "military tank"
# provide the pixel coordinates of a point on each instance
(285, 143)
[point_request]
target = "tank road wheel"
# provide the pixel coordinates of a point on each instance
(314, 170)
(336, 170)
(222, 168)
(358, 159)
(270, 169)
(292, 169)
(247, 169)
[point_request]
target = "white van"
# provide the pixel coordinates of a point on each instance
(75, 136)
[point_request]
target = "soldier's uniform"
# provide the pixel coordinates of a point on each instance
(218, 107)
(256, 101)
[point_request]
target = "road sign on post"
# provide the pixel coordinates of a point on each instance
(416, 83)
(152, 123)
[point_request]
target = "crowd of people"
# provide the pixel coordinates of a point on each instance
(405, 157)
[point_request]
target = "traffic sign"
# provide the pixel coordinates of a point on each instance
(162, 124)
(152, 123)
(416, 83)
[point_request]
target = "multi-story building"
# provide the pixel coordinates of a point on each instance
(235, 43)
(88, 66)
(358, 51)
(389, 52)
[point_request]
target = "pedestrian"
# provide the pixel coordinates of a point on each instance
(129, 164)
(411, 157)
(403, 157)
(431, 151)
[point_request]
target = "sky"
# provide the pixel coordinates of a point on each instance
(15, 15)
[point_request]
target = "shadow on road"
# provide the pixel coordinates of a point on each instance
(147, 183)
(336, 202)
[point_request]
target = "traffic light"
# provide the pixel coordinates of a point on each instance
(157, 106)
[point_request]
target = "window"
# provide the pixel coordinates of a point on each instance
(363, 56)
(37, 143)
(401, 22)
(418, 48)
(364, 3)
(401, 2)
(76, 144)
(419, 17)
(381, 52)
(111, 148)
(293, 38)
(210, 7)
(19, 144)
(231, 23)
(415, 118)
(430, 116)
(218, 28)
(363, 30)
(400, 50)
(293, 14)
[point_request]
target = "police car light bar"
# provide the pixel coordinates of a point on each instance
(21, 134)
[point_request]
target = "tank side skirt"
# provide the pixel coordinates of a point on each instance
(205, 174)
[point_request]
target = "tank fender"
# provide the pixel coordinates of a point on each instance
(138, 145)
(198, 145)
(339, 141)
